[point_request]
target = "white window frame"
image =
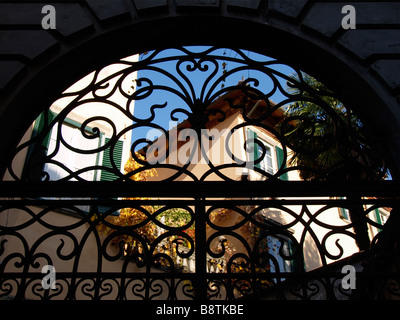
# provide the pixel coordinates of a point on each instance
(268, 144)
(264, 163)
(74, 167)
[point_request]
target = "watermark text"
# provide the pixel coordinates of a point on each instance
(49, 20)
(49, 280)
(349, 20)
(349, 280)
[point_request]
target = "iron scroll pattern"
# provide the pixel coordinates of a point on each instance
(150, 246)
(92, 266)
(184, 86)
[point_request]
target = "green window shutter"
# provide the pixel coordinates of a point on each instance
(280, 157)
(107, 175)
(38, 151)
(343, 212)
(40, 125)
(378, 218)
(254, 155)
(294, 263)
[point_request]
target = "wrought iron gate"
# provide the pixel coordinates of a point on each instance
(160, 275)
(253, 226)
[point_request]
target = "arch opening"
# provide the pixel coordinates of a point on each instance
(352, 84)
(270, 124)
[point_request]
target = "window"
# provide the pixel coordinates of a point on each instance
(63, 159)
(343, 212)
(278, 249)
(276, 246)
(278, 255)
(273, 158)
(266, 164)
(380, 217)
(72, 160)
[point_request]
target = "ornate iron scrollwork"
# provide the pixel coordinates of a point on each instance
(187, 86)
(163, 246)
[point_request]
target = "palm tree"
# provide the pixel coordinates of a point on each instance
(330, 143)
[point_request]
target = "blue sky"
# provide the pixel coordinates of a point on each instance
(191, 82)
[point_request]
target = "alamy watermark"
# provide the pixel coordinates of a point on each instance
(349, 20)
(49, 20)
(349, 280)
(49, 280)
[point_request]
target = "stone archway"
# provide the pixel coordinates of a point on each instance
(357, 64)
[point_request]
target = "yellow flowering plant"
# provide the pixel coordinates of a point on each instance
(130, 217)
(138, 215)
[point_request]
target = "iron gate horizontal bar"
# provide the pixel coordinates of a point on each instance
(196, 189)
(240, 277)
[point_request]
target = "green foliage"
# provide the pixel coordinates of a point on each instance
(328, 140)
(174, 217)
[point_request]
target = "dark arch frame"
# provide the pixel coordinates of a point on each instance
(34, 89)
(330, 63)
